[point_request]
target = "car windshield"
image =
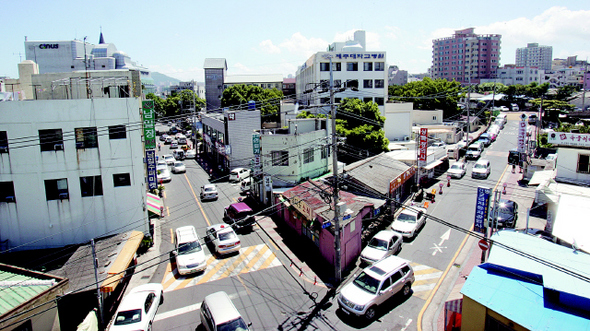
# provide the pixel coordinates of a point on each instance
(236, 325)
(128, 317)
(189, 248)
(209, 189)
(367, 283)
(379, 244)
(480, 166)
(178, 164)
(456, 167)
(227, 236)
(406, 218)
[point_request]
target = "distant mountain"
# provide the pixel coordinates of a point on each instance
(163, 80)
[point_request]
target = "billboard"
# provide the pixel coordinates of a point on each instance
(481, 209)
(423, 150)
(152, 174)
(149, 124)
(521, 134)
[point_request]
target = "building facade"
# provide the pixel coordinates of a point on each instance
(395, 76)
(466, 57)
(215, 72)
(78, 162)
(357, 73)
(534, 55)
(513, 74)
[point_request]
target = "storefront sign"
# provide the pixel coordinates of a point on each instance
(569, 139)
(401, 179)
(301, 206)
(256, 143)
(49, 46)
(149, 124)
(521, 135)
(268, 182)
(152, 174)
(366, 56)
(423, 151)
(481, 209)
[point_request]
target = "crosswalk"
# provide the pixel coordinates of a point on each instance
(426, 279)
(249, 259)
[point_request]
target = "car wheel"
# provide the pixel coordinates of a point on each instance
(370, 313)
(406, 289)
(162, 297)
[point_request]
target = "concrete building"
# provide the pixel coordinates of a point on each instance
(513, 74)
(227, 137)
(296, 153)
(215, 72)
(79, 162)
(264, 81)
(466, 57)
(289, 88)
(58, 56)
(395, 76)
(357, 73)
(398, 121)
(534, 55)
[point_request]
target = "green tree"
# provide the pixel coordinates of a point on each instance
(552, 108)
(158, 104)
(267, 100)
(306, 114)
(564, 93)
(430, 94)
(362, 125)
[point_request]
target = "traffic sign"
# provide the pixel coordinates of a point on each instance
(484, 245)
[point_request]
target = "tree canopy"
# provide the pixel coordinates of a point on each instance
(267, 100)
(430, 94)
(176, 104)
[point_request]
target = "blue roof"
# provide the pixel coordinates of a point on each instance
(517, 287)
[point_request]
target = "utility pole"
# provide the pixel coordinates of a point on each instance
(338, 273)
(98, 295)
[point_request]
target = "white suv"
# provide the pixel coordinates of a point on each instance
(374, 285)
(190, 256)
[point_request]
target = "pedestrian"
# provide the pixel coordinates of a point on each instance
(159, 147)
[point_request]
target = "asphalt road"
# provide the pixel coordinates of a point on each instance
(270, 295)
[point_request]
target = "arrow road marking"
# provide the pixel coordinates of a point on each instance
(445, 236)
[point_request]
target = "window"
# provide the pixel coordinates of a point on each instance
(117, 132)
(3, 142)
(324, 66)
(379, 66)
(7, 192)
(336, 66)
(367, 99)
(379, 101)
(353, 84)
(337, 83)
(379, 83)
(121, 180)
(91, 186)
(324, 100)
(368, 83)
(280, 158)
(51, 140)
(308, 155)
(337, 100)
(86, 138)
(368, 66)
(148, 302)
(326, 152)
(352, 66)
(395, 277)
(583, 163)
(56, 189)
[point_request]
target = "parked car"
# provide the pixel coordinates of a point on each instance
(374, 285)
(174, 144)
(246, 185)
(533, 118)
(514, 107)
(504, 108)
(138, 308)
(163, 137)
(209, 192)
(223, 238)
(481, 169)
(485, 140)
(218, 313)
(409, 221)
(239, 174)
(382, 245)
(457, 170)
(164, 175)
(507, 214)
(169, 159)
(161, 165)
(487, 136)
(474, 151)
(239, 214)
(178, 167)
(190, 154)
(188, 252)
(168, 140)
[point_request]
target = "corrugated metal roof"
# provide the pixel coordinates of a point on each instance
(513, 285)
(376, 172)
(16, 289)
(214, 63)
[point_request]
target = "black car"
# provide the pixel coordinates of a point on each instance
(507, 214)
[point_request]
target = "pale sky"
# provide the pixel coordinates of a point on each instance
(275, 37)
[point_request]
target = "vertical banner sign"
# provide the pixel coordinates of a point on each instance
(256, 151)
(423, 152)
(152, 174)
(149, 124)
(481, 209)
(521, 134)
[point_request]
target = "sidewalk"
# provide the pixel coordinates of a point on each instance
(470, 254)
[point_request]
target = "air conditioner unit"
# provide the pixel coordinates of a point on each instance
(10, 198)
(58, 147)
(63, 196)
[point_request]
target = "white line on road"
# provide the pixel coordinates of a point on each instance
(407, 324)
(187, 309)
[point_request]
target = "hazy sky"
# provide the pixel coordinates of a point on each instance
(275, 37)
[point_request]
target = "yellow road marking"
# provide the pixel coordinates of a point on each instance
(241, 281)
(268, 261)
(197, 200)
(172, 279)
(239, 260)
(254, 259)
(213, 271)
(171, 236)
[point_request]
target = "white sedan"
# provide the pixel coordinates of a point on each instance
(383, 244)
(169, 159)
(190, 154)
(409, 221)
(178, 167)
(138, 308)
(164, 175)
(209, 191)
(457, 170)
(223, 238)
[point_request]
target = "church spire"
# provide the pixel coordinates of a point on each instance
(101, 39)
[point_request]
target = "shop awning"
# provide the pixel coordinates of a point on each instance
(154, 203)
(433, 165)
(124, 258)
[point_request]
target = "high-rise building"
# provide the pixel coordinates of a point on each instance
(215, 71)
(466, 57)
(534, 55)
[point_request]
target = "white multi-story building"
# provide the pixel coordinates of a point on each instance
(513, 75)
(70, 170)
(396, 76)
(534, 55)
(357, 73)
(296, 153)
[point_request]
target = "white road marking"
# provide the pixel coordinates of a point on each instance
(437, 249)
(184, 310)
(407, 324)
(445, 236)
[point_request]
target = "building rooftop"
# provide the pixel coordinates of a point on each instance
(215, 64)
(376, 172)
